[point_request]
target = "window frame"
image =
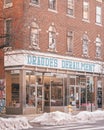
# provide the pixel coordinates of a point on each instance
(36, 2)
(85, 42)
(70, 7)
(86, 10)
(98, 47)
(52, 38)
(70, 38)
(34, 35)
(7, 31)
(99, 15)
(52, 5)
(8, 4)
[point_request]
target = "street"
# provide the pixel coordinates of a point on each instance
(98, 125)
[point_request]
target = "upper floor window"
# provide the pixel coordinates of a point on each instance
(85, 41)
(34, 36)
(8, 31)
(52, 38)
(34, 2)
(98, 47)
(85, 10)
(7, 3)
(70, 41)
(98, 15)
(70, 9)
(52, 4)
(99, 0)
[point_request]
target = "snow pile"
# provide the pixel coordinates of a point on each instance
(54, 118)
(90, 116)
(61, 118)
(14, 123)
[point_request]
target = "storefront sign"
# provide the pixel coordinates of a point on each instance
(59, 63)
(38, 59)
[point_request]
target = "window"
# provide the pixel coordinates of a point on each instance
(7, 3)
(98, 47)
(70, 9)
(52, 4)
(98, 15)
(70, 41)
(52, 38)
(8, 31)
(34, 36)
(99, 0)
(34, 2)
(85, 41)
(86, 10)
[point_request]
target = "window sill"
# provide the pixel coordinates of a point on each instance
(33, 47)
(85, 56)
(34, 5)
(85, 20)
(52, 50)
(71, 16)
(98, 24)
(52, 10)
(70, 53)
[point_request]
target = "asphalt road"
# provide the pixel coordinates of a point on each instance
(98, 125)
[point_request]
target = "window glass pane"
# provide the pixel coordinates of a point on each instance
(70, 9)
(85, 10)
(34, 36)
(98, 47)
(35, 1)
(52, 40)
(8, 26)
(52, 4)
(57, 90)
(30, 89)
(8, 1)
(85, 44)
(70, 41)
(98, 14)
(15, 88)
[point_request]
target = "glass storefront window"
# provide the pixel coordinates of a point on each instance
(57, 90)
(15, 88)
(30, 89)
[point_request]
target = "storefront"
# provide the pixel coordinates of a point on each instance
(39, 82)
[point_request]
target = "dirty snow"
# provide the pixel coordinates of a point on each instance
(61, 118)
(14, 123)
(52, 118)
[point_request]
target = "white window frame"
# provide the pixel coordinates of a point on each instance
(34, 2)
(98, 15)
(85, 42)
(34, 35)
(8, 32)
(70, 36)
(86, 10)
(52, 4)
(98, 47)
(8, 4)
(52, 38)
(70, 7)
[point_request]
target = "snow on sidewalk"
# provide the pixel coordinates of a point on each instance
(52, 118)
(61, 118)
(19, 123)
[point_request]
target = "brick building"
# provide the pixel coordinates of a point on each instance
(54, 54)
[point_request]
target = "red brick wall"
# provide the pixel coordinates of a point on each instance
(23, 14)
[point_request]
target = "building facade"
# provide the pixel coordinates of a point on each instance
(54, 55)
